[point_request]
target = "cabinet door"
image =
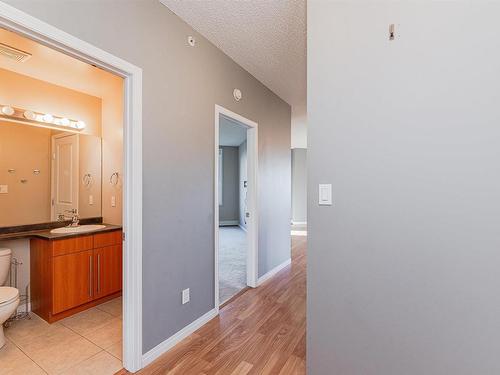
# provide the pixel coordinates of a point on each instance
(108, 266)
(72, 280)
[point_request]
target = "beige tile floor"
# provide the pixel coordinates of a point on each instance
(86, 343)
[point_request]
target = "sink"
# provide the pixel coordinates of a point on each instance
(77, 229)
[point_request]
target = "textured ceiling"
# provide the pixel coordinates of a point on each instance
(265, 37)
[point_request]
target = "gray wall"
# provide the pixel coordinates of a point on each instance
(403, 274)
(242, 155)
(230, 208)
(180, 89)
(299, 185)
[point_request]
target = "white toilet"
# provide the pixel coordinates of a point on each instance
(9, 297)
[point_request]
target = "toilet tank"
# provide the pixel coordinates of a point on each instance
(5, 256)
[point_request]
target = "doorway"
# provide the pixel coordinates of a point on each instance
(236, 215)
(29, 27)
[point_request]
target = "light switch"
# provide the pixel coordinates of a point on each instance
(325, 194)
(4, 189)
(113, 201)
(91, 200)
(185, 296)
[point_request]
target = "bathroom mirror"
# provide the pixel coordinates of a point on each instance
(47, 173)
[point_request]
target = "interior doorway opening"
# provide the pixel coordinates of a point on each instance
(126, 184)
(235, 221)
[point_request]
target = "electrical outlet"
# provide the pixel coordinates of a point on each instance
(4, 189)
(185, 296)
(113, 201)
(91, 200)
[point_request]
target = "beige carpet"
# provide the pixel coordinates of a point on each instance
(232, 261)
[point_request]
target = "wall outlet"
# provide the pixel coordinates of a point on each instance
(185, 296)
(113, 201)
(4, 189)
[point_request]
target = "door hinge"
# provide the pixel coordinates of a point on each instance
(123, 236)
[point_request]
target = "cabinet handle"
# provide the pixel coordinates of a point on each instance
(98, 273)
(90, 276)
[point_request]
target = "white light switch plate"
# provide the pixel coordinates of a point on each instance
(325, 195)
(113, 201)
(4, 189)
(185, 296)
(91, 200)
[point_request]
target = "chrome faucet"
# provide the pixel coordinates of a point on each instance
(74, 217)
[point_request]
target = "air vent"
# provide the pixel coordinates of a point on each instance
(14, 53)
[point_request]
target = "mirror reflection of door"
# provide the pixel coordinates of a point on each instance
(64, 174)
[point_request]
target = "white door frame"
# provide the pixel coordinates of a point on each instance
(13, 19)
(252, 202)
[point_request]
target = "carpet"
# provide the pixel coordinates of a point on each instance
(232, 261)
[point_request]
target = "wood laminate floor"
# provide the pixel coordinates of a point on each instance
(261, 331)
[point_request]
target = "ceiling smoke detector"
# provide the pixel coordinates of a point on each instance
(14, 53)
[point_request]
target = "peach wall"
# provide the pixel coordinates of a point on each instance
(25, 92)
(24, 148)
(112, 148)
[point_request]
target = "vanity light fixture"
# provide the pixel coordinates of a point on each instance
(46, 120)
(29, 115)
(7, 110)
(80, 125)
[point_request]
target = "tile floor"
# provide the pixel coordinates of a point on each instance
(86, 343)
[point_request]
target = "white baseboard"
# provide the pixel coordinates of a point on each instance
(299, 222)
(226, 223)
(242, 227)
(273, 272)
(169, 343)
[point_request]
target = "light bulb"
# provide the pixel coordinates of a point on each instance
(7, 110)
(80, 125)
(48, 117)
(29, 115)
(64, 122)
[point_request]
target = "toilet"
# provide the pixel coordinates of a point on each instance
(9, 297)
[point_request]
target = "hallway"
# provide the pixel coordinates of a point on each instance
(262, 331)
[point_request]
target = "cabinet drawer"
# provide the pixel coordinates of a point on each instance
(72, 245)
(108, 239)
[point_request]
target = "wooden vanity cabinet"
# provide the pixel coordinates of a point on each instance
(71, 275)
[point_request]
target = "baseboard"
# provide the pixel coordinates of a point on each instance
(273, 272)
(169, 343)
(226, 223)
(299, 222)
(242, 227)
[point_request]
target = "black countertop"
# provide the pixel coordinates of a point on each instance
(46, 235)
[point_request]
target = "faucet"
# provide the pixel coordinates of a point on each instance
(74, 217)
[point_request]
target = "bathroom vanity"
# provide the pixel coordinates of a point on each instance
(71, 273)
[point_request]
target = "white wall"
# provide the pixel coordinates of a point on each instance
(299, 185)
(299, 127)
(404, 268)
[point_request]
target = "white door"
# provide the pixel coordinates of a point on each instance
(64, 174)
